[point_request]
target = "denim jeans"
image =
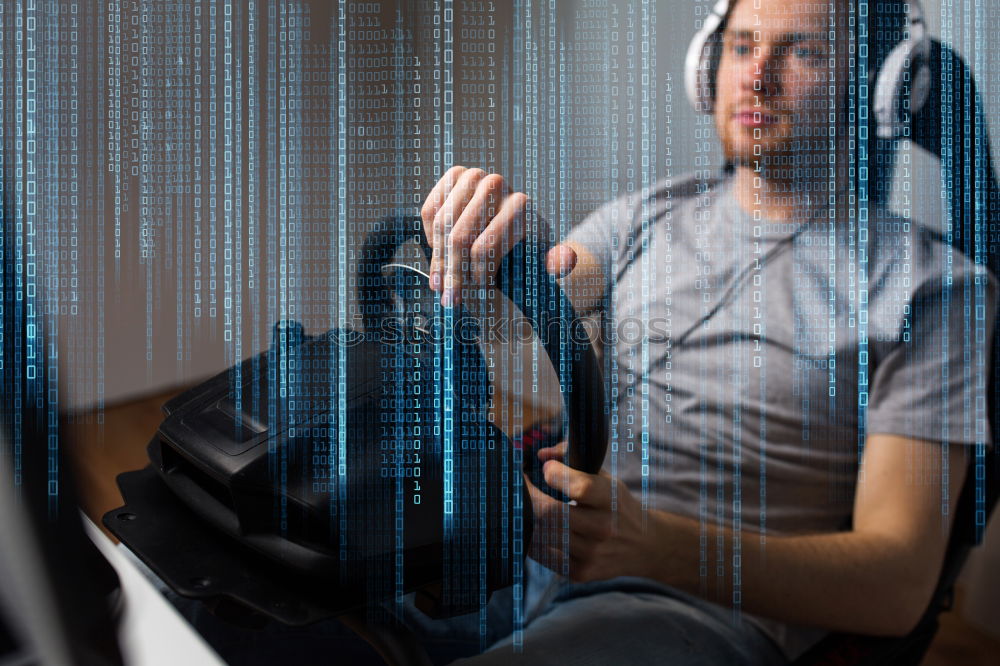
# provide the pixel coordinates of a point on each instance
(619, 621)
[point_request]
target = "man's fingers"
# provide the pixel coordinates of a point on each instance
(549, 521)
(542, 504)
(472, 220)
(428, 213)
(481, 208)
(553, 559)
(587, 489)
(557, 452)
(447, 215)
(437, 196)
(440, 191)
(503, 233)
(588, 525)
(549, 513)
(561, 260)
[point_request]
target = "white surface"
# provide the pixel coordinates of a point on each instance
(152, 632)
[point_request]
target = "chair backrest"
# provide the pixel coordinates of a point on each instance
(970, 182)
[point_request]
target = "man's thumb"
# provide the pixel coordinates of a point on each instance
(561, 260)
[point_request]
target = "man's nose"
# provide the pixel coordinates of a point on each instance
(766, 69)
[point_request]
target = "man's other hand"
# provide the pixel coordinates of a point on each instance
(472, 220)
(604, 522)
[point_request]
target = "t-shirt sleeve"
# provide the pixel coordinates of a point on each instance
(932, 384)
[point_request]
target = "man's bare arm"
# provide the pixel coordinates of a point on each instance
(876, 578)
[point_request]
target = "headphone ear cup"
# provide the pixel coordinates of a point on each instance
(890, 88)
(699, 73)
(710, 70)
(920, 82)
(903, 83)
(703, 58)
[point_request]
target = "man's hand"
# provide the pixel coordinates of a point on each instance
(472, 220)
(605, 524)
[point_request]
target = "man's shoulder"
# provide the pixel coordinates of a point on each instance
(926, 252)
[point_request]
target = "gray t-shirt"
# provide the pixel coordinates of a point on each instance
(747, 359)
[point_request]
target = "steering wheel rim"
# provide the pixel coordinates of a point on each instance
(524, 279)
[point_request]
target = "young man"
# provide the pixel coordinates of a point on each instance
(806, 382)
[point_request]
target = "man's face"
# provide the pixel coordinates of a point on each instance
(780, 80)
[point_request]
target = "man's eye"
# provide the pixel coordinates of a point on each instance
(809, 52)
(741, 49)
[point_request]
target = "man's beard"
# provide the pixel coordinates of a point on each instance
(803, 149)
(786, 161)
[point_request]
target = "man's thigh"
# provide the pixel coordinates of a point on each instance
(626, 621)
